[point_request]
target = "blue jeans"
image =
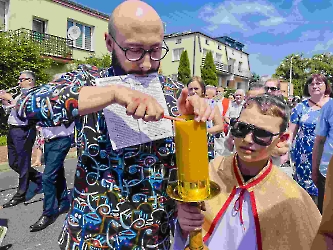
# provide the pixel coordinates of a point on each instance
(54, 180)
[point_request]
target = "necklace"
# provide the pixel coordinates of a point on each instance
(314, 103)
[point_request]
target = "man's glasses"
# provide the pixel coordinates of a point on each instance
(260, 136)
(271, 88)
(136, 54)
(23, 79)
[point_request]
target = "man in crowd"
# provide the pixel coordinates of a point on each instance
(273, 87)
(119, 196)
(20, 140)
(57, 144)
(236, 106)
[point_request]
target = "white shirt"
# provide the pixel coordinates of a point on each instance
(234, 110)
(13, 118)
(234, 230)
(59, 131)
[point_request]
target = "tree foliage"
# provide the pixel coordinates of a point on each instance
(302, 68)
(103, 61)
(255, 77)
(184, 71)
(208, 71)
(17, 54)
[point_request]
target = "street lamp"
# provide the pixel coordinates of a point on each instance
(290, 73)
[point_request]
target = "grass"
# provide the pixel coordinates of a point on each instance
(5, 167)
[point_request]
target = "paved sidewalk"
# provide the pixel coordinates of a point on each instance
(22, 216)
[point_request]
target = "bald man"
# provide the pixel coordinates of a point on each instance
(236, 106)
(119, 198)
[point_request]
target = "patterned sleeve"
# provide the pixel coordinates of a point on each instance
(323, 124)
(296, 113)
(57, 102)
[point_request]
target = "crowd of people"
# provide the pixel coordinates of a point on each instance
(51, 144)
(119, 199)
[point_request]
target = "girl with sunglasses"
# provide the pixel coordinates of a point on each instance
(259, 206)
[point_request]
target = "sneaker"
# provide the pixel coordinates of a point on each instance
(3, 231)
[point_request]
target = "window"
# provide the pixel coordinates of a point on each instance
(228, 83)
(39, 25)
(85, 39)
(240, 66)
(2, 15)
(218, 57)
(219, 46)
(204, 52)
(207, 42)
(178, 41)
(176, 53)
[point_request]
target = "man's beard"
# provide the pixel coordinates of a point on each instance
(116, 63)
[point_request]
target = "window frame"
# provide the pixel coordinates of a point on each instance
(6, 14)
(173, 54)
(92, 29)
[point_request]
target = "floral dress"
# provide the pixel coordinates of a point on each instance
(39, 142)
(301, 153)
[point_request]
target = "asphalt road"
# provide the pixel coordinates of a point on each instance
(22, 216)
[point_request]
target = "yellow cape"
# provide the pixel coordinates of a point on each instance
(285, 215)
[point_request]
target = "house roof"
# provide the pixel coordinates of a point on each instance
(186, 33)
(82, 8)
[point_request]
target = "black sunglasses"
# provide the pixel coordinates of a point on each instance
(272, 88)
(23, 79)
(260, 136)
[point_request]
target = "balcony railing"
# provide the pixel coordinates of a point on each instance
(50, 45)
(220, 67)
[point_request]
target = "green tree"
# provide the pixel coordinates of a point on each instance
(184, 71)
(208, 71)
(255, 77)
(17, 54)
(103, 61)
(299, 66)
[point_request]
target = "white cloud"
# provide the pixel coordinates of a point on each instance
(272, 21)
(250, 18)
(323, 47)
(230, 13)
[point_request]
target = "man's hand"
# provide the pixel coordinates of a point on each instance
(194, 105)
(6, 98)
(189, 216)
(138, 105)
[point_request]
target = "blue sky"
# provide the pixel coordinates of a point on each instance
(270, 30)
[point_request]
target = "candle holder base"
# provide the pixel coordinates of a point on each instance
(172, 191)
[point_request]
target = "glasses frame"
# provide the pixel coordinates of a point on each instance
(252, 129)
(270, 88)
(144, 51)
(24, 79)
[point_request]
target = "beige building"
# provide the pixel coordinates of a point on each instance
(232, 63)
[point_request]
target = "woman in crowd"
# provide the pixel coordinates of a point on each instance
(303, 120)
(196, 86)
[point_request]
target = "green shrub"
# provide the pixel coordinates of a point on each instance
(3, 140)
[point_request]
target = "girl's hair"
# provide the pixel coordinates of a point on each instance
(200, 81)
(271, 105)
(318, 77)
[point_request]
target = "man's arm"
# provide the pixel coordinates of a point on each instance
(217, 122)
(317, 153)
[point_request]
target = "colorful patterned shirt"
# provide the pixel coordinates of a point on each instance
(119, 196)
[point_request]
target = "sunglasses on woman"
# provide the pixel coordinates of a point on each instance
(260, 136)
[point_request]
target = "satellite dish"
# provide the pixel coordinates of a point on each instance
(74, 32)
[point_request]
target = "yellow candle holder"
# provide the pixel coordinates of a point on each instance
(192, 169)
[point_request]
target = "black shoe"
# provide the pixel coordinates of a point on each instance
(13, 202)
(42, 223)
(63, 209)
